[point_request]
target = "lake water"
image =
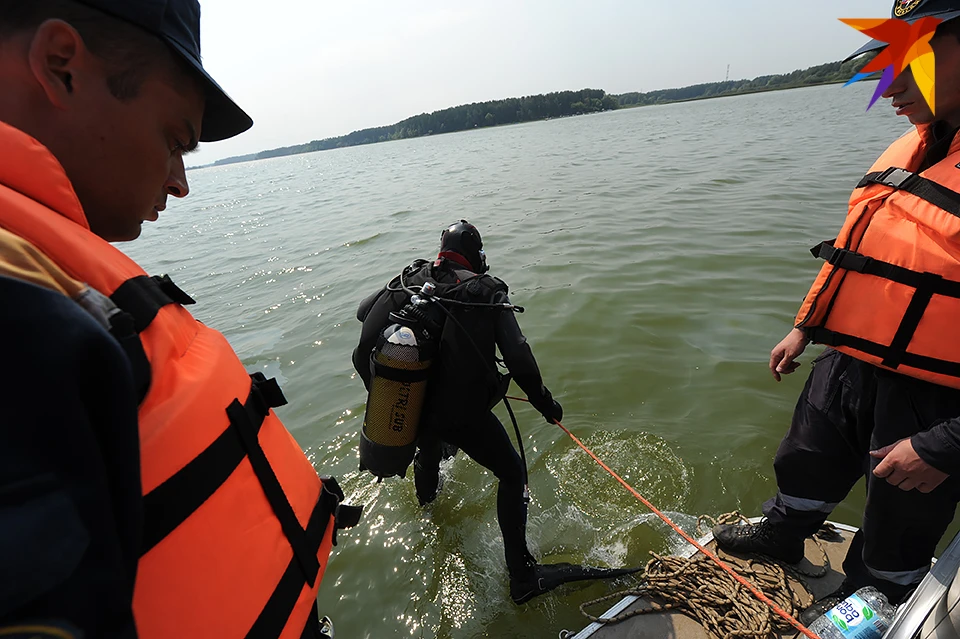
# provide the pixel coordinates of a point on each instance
(660, 253)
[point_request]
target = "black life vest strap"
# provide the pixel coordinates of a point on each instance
(123, 330)
(820, 335)
(304, 552)
(277, 611)
(853, 261)
(139, 299)
(926, 284)
(911, 318)
(903, 180)
(171, 503)
(143, 297)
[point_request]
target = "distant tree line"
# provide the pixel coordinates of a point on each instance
(822, 74)
(459, 118)
(559, 104)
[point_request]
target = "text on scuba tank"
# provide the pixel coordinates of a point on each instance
(400, 407)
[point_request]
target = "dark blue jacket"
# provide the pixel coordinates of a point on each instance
(70, 497)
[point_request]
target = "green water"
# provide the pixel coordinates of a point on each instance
(660, 254)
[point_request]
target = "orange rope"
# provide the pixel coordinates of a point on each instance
(753, 589)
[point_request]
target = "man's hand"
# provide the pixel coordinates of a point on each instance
(783, 354)
(904, 469)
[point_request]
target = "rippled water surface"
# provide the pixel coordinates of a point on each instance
(660, 253)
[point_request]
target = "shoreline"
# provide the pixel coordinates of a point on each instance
(737, 93)
(246, 159)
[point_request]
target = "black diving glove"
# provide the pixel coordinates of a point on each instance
(554, 413)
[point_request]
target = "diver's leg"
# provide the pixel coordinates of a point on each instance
(426, 467)
(487, 443)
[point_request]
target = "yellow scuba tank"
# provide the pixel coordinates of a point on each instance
(401, 365)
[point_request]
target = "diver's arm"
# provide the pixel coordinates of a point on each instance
(361, 355)
(368, 303)
(361, 364)
(519, 359)
(369, 333)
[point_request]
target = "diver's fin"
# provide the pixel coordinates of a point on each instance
(545, 577)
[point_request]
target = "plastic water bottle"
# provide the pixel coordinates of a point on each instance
(866, 614)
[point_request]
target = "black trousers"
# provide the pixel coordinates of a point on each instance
(848, 408)
(486, 442)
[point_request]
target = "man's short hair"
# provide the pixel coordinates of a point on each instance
(130, 53)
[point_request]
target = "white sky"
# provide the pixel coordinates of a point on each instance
(311, 69)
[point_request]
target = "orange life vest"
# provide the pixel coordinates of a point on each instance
(238, 527)
(889, 293)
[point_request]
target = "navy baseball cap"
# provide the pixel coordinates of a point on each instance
(911, 11)
(177, 23)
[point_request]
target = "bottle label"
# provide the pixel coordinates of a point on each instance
(857, 620)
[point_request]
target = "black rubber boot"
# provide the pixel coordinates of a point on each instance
(765, 538)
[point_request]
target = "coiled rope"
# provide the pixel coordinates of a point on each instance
(698, 588)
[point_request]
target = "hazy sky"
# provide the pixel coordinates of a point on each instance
(310, 69)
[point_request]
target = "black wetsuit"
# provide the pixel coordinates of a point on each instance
(462, 392)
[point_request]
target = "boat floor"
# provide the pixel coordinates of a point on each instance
(674, 625)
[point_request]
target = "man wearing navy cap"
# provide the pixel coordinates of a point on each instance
(883, 399)
(147, 489)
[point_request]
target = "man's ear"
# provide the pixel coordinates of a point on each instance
(55, 54)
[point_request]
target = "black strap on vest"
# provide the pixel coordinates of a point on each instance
(274, 616)
(303, 552)
(141, 298)
(122, 329)
(926, 284)
(144, 296)
(171, 503)
(821, 335)
(911, 319)
(903, 180)
(853, 261)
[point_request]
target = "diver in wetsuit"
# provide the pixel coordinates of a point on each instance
(465, 385)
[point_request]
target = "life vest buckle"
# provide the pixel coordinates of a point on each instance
(894, 177)
(844, 258)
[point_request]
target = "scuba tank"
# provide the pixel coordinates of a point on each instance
(401, 365)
